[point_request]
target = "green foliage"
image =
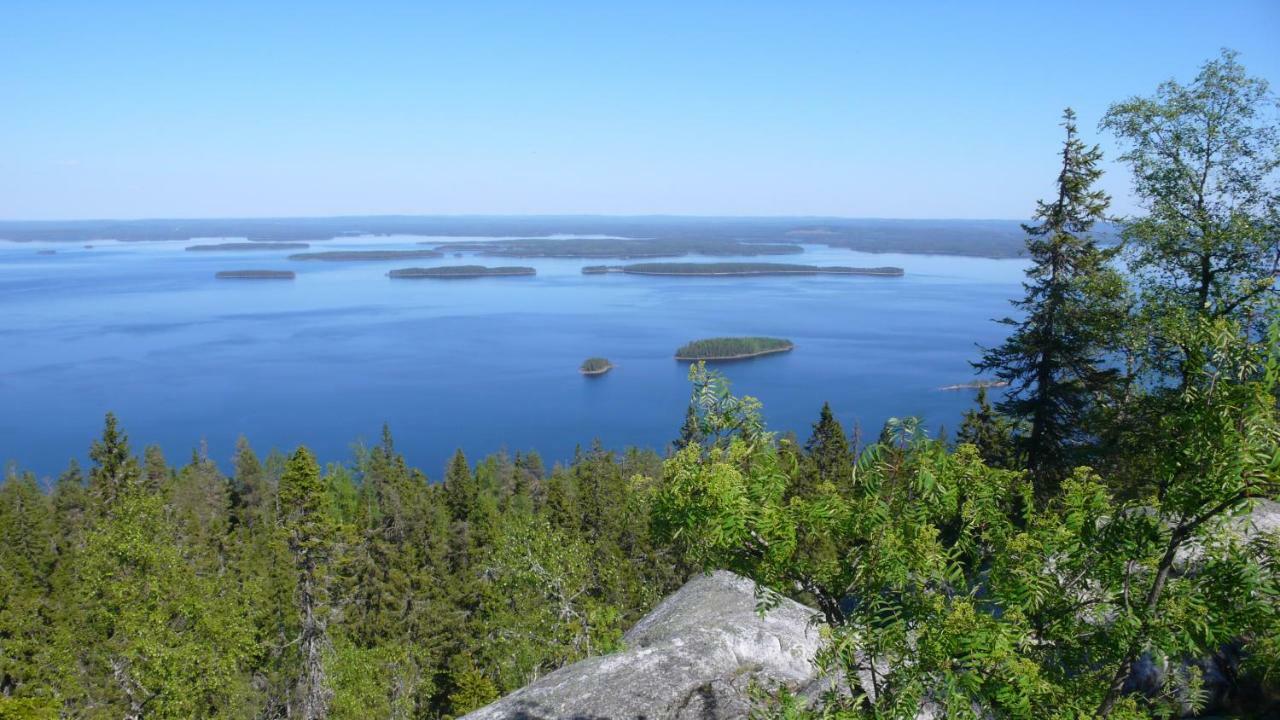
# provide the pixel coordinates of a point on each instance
(472, 689)
(990, 432)
(690, 430)
(954, 588)
(372, 682)
(115, 469)
(543, 606)
(830, 460)
(151, 632)
(14, 708)
(287, 591)
(1203, 157)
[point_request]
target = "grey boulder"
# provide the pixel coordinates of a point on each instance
(694, 656)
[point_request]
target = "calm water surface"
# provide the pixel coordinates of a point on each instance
(144, 330)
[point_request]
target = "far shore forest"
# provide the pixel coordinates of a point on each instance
(1085, 525)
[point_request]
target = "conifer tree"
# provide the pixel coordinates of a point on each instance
(26, 560)
(309, 526)
(115, 468)
(460, 487)
(690, 431)
(561, 508)
(1053, 357)
(988, 431)
(155, 471)
(249, 491)
(827, 451)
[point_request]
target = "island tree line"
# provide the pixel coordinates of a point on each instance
(1091, 519)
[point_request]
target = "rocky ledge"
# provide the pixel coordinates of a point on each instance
(693, 657)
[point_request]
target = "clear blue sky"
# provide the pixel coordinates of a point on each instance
(946, 109)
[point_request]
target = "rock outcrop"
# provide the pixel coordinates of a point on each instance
(693, 657)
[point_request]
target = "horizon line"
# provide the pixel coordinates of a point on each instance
(548, 216)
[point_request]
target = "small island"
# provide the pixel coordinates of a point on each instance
(459, 272)
(46, 252)
(344, 255)
(595, 366)
(738, 269)
(732, 348)
(237, 246)
(976, 385)
(254, 275)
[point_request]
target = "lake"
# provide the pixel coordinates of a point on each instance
(144, 330)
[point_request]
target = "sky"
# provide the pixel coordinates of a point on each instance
(855, 109)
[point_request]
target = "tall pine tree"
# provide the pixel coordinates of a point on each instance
(827, 451)
(1053, 358)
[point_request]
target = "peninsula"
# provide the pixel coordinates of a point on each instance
(237, 246)
(344, 255)
(458, 272)
(732, 348)
(254, 275)
(735, 269)
(595, 366)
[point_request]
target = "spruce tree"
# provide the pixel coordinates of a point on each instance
(988, 431)
(26, 560)
(249, 493)
(460, 487)
(1053, 357)
(310, 529)
(690, 431)
(115, 468)
(827, 451)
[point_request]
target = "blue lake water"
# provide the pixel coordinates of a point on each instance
(144, 330)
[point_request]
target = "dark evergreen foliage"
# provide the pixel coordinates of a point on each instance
(1054, 358)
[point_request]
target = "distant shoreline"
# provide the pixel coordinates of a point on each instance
(663, 234)
(738, 270)
(238, 246)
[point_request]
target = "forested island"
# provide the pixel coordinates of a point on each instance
(732, 348)
(595, 366)
(620, 248)
(238, 246)
(345, 255)
(459, 272)
(731, 269)
(254, 275)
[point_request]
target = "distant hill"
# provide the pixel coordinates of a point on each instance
(979, 238)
